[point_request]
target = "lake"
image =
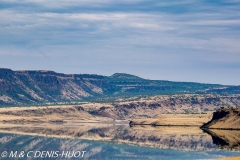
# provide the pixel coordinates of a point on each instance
(114, 141)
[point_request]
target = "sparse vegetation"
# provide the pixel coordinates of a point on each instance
(22, 88)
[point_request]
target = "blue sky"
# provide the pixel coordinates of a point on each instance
(188, 40)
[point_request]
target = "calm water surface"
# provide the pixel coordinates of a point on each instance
(115, 142)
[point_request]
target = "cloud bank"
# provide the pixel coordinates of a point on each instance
(179, 40)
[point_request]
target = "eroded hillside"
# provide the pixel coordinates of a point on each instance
(225, 118)
(144, 108)
(39, 87)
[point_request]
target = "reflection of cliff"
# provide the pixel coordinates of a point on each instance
(227, 139)
(158, 137)
(99, 149)
(169, 137)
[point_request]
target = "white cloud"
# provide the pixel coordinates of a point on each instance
(69, 3)
(176, 34)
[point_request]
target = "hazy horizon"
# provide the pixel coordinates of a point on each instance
(115, 73)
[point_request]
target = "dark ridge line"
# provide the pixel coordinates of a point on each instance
(169, 125)
(205, 128)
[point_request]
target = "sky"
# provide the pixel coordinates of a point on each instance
(187, 40)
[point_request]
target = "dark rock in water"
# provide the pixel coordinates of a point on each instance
(224, 118)
(225, 139)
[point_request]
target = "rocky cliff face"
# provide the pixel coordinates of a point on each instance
(21, 87)
(151, 107)
(224, 118)
(31, 87)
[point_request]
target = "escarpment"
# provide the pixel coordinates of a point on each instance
(224, 118)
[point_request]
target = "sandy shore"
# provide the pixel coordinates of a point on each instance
(175, 120)
(82, 114)
(60, 114)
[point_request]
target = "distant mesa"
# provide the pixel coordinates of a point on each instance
(43, 86)
(124, 76)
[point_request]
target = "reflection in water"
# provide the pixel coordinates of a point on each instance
(225, 139)
(113, 141)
